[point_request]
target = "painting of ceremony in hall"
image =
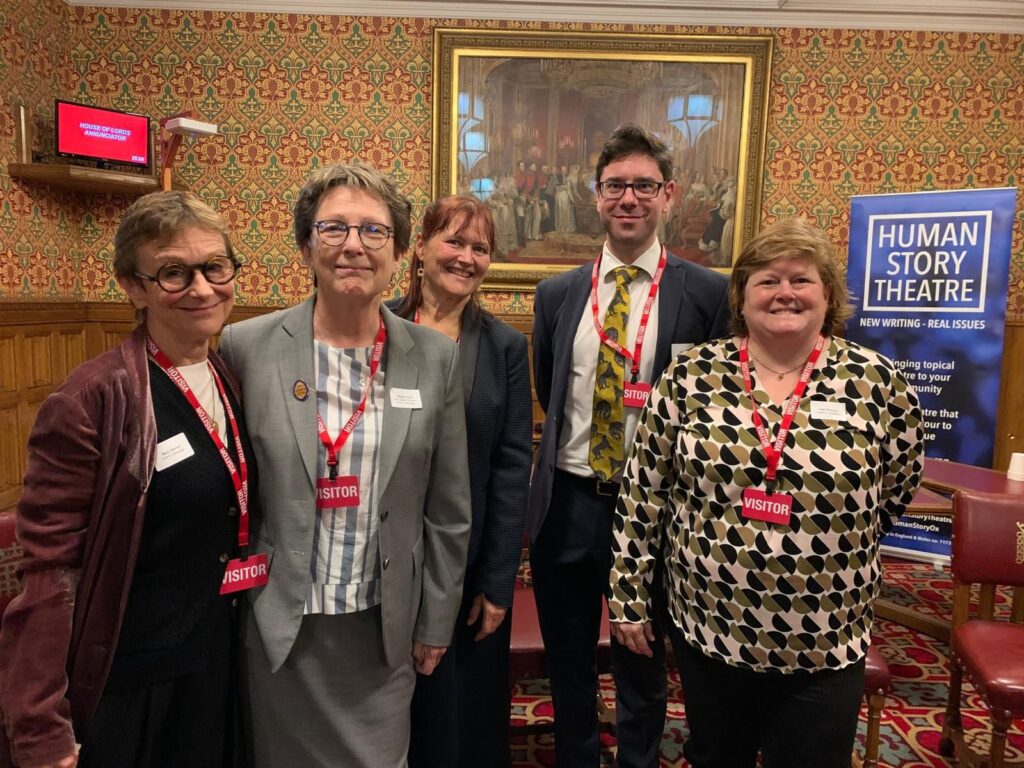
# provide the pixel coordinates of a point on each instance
(527, 123)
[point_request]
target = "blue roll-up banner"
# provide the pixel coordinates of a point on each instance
(928, 275)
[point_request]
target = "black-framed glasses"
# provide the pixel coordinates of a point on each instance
(334, 232)
(176, 277)
(642, 190)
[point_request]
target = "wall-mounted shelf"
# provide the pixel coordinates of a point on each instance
(77, 177)
(85, 179)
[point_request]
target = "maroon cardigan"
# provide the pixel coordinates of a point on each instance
(91, 454)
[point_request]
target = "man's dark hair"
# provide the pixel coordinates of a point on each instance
(629, 139)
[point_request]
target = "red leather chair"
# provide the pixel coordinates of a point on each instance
(988, 550)
(10, 554)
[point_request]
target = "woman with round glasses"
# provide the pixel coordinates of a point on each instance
(460, 713)
(357, 420)
(135, 508)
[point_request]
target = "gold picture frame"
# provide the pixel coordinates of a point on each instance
(506, 101)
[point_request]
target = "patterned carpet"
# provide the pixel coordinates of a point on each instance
(911, 722)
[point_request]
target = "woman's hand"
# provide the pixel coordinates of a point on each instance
(636, 637)
(426, 657)
(493, 615)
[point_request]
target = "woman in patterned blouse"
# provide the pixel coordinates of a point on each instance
(766, 469)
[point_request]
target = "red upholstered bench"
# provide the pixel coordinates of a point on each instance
(10, 554)
(527, 652)
(526, 659)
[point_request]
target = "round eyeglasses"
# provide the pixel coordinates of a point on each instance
(333, 232)
(642, 190)
(176, 277)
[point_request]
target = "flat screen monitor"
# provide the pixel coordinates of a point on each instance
(105, 135)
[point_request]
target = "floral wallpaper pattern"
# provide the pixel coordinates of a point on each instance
(852, 112)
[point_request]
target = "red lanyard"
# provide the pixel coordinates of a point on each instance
(773, 453)
(334, 447)
(240, 473)
(638, 345)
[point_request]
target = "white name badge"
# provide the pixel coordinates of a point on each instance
(405, 398)
(827, 411)
(172, 450)
(678, 349)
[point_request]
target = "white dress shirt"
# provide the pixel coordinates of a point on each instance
(574, 446)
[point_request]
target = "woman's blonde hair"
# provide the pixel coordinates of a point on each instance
(794, 238)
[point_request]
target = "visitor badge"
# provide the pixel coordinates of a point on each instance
(242, 574)
(342, 491)
(770, 508)
(824, 410)
(171, 451)
(635, 395)
(405, 398)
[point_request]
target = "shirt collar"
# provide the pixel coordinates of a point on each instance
(647, 261)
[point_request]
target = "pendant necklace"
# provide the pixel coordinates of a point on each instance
(780, 374)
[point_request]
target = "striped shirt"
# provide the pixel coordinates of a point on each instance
(345, 566)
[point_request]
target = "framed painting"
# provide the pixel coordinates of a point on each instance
(520, 119)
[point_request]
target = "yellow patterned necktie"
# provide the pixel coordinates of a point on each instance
(607, 426)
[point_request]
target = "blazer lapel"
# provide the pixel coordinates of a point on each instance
(295, 367)
(670, 304)
(399, 372)
(569, 314)
(469, 350)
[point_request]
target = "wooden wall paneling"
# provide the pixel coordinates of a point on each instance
(8, 361)
(1010, 421)
(35, 361)
(71, 351)
(12, 456)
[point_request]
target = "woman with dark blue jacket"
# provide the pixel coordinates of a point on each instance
(460, 713)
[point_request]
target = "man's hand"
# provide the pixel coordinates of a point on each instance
(426, 657)
(493, 615)
(636, 637)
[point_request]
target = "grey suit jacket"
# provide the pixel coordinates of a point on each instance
(692, 308)
(424, 510)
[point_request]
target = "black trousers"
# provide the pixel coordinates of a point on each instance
(460, 713)
(799, 720)
(570, 560)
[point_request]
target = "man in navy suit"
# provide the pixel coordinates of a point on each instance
(587, 434)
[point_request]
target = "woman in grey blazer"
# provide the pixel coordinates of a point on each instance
(357, 421)
(460, 713)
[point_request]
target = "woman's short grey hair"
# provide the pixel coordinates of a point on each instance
(361, 177)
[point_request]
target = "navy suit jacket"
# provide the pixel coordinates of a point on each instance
(692, 308)
(499, 425)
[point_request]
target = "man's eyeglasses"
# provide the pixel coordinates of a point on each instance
(334, 232)
(642, 190)
(175, 277)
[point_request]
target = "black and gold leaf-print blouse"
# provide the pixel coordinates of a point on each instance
(759, 595)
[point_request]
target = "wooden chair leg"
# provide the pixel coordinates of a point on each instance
(952, 727)
(1000, 725)
(872, 737)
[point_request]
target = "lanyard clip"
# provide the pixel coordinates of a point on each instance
(771, 487)
(332, 469)
(243, 552)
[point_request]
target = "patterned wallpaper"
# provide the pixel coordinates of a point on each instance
(852, 112)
